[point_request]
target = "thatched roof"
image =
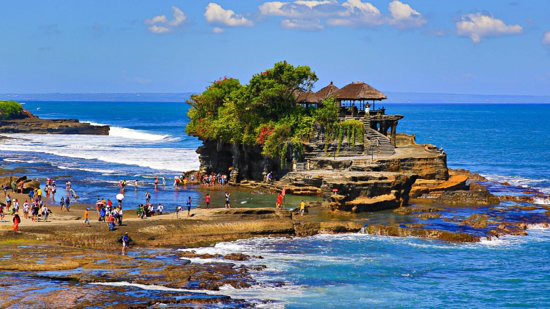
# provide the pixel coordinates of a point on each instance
(306, 97)
(326, 92)
(358, 91)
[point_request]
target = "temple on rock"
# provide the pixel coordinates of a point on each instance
(357, 101)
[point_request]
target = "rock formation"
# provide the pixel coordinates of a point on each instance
(36, 125)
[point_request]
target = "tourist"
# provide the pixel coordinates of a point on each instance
(35, 210)
(140, 211)
(302, 208)
(163, 182)
(156, 184)
(45, 213)
(68, 204)
(47, 189)
(189, 206)
(15, 207)
(2, 212)
(135, 185)
(125, 240)
(62, 203)
(120, 215)
(147, 197)
(178, 210)
(54, 190)
(160, 209)
(67, 188)
(16, 221)
(87, 216)
(111, 221)
(227, 200)
(150, 210)
(279, 202)
(31, 195)
(102, 214)
(39, 194)
(207, 200)
(26, 209)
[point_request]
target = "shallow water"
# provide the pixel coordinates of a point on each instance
(504, 142)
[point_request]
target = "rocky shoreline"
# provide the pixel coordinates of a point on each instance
(87, 260)
(36, 125)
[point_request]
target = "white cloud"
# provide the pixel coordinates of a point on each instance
(477, 26)
(157, 19)
(302, 24)
(218, 30)
(404, 15)
(179, 17)
(308, 14)
(298, 8)
(357, 12)
(546, 38)
(158, 29)
(161, 24)
(215, 14)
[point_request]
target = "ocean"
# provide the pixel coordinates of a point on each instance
(504, 142)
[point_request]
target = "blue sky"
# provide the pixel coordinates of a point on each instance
(434, 46)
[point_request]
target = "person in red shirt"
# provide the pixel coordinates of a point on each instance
(16, 221)
(279, 201)
(207, 200)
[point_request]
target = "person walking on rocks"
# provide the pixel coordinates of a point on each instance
(87, 216)
(16, 221)
(147, 197)
(189, 206)
(279, 202)
(207, 200)
(227, 200)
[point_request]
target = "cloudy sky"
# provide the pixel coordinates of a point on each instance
(434, 46)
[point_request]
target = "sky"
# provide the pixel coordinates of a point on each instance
(431, 46)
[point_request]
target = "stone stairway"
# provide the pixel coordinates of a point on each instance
(379, 143)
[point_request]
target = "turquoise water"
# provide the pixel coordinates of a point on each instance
(504, 142)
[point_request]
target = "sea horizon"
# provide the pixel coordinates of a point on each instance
(393, 97)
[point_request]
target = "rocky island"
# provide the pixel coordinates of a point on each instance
(15, 119)
(276, 134)
(335, 142)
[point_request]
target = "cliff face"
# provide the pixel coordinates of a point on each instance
(36, 125)
(238, 161)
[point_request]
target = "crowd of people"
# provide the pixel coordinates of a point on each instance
(36, 207)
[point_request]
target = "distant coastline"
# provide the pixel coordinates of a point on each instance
(393, 97)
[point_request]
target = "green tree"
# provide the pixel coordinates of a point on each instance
(10, 110)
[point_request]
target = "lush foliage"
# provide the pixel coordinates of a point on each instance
(10, 109)
(263, 112)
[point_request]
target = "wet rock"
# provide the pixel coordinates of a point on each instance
(477, 221)
(426, 186)
(237, 257)
(51, 126)
(470, 175)
(395, 230)
(467, 198)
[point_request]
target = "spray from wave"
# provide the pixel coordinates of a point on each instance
(136, 134)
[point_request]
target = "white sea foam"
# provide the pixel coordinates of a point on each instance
(541, 201)
(111, 149)
(256, 292)
(518, 181)
(135, 134)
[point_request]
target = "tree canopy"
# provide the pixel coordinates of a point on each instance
(10, 110)
(263, 112)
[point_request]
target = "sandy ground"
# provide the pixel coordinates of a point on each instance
(76, 215)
